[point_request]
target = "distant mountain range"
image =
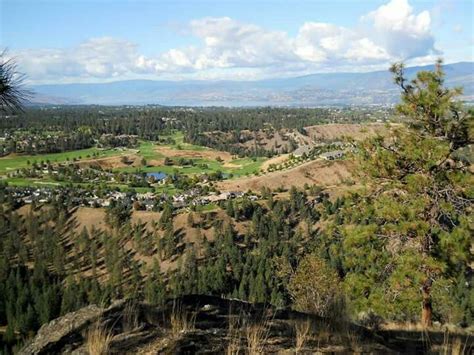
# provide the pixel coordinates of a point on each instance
(332, 89)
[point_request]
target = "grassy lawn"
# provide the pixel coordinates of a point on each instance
(247, 166)
(48, 182)
(11, 163)
(167, 189)
(32, 182)
(178, 137)
(147, 150)
(243, 167)
(207, 208)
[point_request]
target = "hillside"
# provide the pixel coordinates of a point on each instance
(322, 173)
(311, 90)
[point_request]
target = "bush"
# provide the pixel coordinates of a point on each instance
(370, 320)
(315, 287)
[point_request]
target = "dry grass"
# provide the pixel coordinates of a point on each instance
(354, 340)
(257, 336)
(98, 340)
(194, 154)
(181, 321)
(317, 172)
(302, 333)
(234, 333)
(246, 336)
(453, 345)
(275, 160)
(113, 162)
(402, 326)
(130, 317)
(338, 131)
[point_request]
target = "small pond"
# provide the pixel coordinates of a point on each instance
(158, 176)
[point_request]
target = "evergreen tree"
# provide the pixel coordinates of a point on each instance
(404, 241)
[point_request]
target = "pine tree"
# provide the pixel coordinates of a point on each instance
(408, 235)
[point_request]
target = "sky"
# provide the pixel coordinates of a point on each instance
(69, 41)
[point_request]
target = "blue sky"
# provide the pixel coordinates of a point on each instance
(102, 40)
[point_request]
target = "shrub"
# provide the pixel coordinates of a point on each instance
(315, 287)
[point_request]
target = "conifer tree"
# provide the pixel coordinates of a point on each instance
(403, 241)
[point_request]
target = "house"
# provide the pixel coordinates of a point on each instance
(118, 195)
(335, 154)
(337, 144)
(179, 198)
(179, 204)
(221, 197)
(301, 150)
(236, 194)
(105, 203)
(200, 201)
(145, 196)
(149, 204)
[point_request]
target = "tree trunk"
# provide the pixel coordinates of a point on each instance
(427, 308)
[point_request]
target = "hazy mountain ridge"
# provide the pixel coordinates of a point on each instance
(372, 88)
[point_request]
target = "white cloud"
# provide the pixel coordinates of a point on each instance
(229, 43)
(322, 42)
(96, 58)
(317, 42)
(400, 31)
(365, 50)
(231, 48)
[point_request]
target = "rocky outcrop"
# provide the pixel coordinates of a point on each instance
(65, 330)
(197, 324)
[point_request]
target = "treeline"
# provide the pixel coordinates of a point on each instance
(141, 121)
(227, 129)
(28, 143)
(57, 129)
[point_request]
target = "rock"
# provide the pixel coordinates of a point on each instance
(66, 330)
(49, 335)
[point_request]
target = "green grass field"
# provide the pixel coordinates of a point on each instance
(247, 166)
(146, 150)
(178, 137)
(11, 163)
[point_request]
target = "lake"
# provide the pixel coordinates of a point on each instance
(158, 176)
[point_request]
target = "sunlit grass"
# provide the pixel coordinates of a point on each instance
(11, 163)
